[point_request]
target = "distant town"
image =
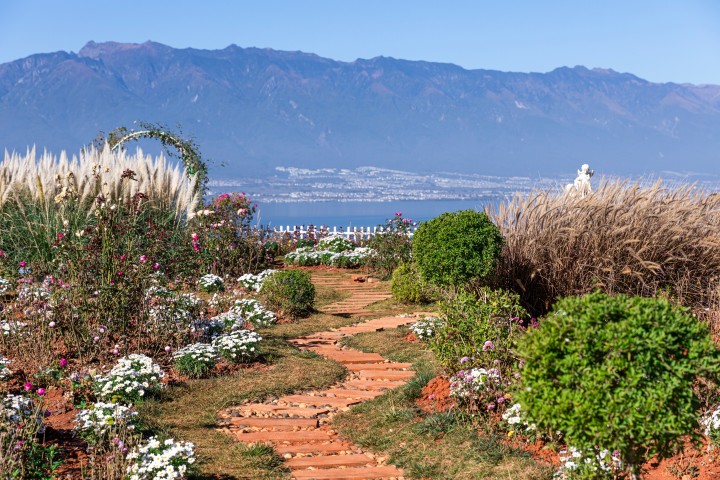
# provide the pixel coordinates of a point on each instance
(373, 184)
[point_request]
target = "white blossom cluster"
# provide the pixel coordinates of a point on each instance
(155, 460)
(18, 409)
(5, 371)
(574, 461)
(711, 424)
(207, 328)
(130, 379)
(426, 328)
(11, 327)
(198, 352)
(165, 307)
(514, 416)
(33, 292)
(211, 283)
(254, 282)
(237, 346)
(254, 312)
(467, 383)
(5, 285)
(307, 256)
(336, 244)
(230, 320)
(93, 424)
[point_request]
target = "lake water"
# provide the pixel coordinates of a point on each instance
(357, 214)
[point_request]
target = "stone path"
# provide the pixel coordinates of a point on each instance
(300, 426)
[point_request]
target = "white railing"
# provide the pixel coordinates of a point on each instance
(350, 233)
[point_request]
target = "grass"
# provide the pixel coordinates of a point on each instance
(439, 446)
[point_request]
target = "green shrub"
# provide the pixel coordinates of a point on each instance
(617, 373)
(392, 246)
(408, 287)
(457, 247)
(290, 292)
(470, 322)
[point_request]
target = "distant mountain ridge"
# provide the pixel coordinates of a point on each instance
(255, 109)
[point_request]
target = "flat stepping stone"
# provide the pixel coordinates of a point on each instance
(374, 385)
(282, 410)
(281, 423)
(329, 461)
(387, 375)
(356, 367)
(287, 437)
(349, 356)
(333, 446)
(352, 393)
(319, 401)
(357, 473)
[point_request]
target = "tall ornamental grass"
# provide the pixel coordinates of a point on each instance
(623, 238)
(45, 197)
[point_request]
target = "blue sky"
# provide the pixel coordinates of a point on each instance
(658, 40)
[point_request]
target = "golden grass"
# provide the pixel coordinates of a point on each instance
(623, 238)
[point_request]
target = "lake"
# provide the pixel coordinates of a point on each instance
(357, 214)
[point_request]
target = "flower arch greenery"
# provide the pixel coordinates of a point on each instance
(175, 146)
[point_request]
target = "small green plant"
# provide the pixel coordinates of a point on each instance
(478, 329)
(289, 291)
(392, 246)
(457, 248)
(408, 286)
(599, 367)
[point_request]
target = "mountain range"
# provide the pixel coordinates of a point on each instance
(255, 109)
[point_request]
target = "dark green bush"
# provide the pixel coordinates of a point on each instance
(408, 287)
(457, 248)
(290, 292)
(470, 322)
(617, 373)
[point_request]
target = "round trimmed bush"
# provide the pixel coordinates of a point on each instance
(290, 292)
(407, 286)
(617, 373)
(457, 247)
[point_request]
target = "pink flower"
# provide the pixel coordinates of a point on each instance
(195, 236)
(23, 264)
(52, 324)
(488, 346)
(28, 386)
(63, 362)
(143, 259)
(156, 266)
(491, 406)
(167, 348)
(60, 236)
(123, 258)
(501, 400)
(115, 351)
(41, 391)
(96, 339)
(398, 214)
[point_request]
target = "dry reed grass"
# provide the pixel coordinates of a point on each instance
(47, 179)
(623, 238)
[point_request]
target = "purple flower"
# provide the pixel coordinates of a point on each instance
(63, 362)
(491, 406)
(464, 360)
(501, 400)
(488, 346)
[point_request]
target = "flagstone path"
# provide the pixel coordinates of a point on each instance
(300, 426)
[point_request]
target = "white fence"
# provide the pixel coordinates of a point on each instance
(350, 233)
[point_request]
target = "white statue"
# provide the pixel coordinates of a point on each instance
(582, 182)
